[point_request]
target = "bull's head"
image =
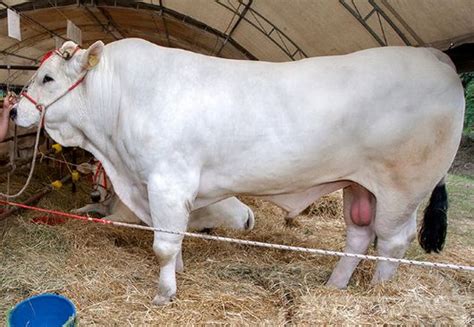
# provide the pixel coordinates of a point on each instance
(50, 87)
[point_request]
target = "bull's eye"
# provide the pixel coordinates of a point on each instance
(47, 79)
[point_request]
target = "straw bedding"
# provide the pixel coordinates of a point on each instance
(110, 273)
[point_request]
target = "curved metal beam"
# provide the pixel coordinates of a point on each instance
(97, 20)
(44, 4)
(379, 12)
(280, 39)
(6, 53)
(29, 42)
(390, 22)
(407, 27)
(241, 16)
(164, 24)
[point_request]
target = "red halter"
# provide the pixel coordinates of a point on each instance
(40, 106)
(95, 179)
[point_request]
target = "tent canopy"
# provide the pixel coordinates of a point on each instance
(270, 30)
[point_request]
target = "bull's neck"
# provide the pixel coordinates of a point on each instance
(112, 95)
(91, 121)
(102, 111)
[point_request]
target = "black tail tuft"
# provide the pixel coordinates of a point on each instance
(435, 221)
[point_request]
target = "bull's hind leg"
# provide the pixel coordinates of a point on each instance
(395, 230)
(358, 238)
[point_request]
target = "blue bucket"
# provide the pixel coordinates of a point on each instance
(43, 310)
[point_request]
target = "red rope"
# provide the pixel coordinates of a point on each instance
(73, 86)
(57, 213)
(96, 177)
(26, 95)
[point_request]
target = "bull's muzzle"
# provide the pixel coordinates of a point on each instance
(95, 196)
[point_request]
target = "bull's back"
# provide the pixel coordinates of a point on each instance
(327, 118)
(305, 122)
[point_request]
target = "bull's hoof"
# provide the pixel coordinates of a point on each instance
(163, 300)
(336, 284)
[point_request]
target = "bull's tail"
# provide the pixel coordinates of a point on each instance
(435, 221)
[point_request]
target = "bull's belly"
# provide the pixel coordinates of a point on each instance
(280, 181)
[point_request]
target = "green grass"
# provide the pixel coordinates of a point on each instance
(461, 211)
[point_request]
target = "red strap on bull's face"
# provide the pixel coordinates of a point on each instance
(33, 101)
(65, 55)
(95, 179)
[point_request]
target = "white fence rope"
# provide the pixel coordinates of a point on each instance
(438, 265)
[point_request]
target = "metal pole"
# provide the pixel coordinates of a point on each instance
(17, 67)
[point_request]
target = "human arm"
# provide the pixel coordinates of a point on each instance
(8, 103)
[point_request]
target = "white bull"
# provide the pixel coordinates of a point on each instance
(177, 131)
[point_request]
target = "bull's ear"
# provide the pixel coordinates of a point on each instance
(92, 55)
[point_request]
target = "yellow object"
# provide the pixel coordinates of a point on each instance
(57, 147)
(57, 184)
(75, 175)
(93, 60)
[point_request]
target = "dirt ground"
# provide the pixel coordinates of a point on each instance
(110, 273)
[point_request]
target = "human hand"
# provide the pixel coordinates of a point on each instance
(8, 102)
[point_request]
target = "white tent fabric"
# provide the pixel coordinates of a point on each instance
(271, 30)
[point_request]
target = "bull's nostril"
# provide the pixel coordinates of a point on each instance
(95, 196)
(13, 113)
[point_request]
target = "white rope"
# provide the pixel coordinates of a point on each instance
(41, 120)
(33, 162)
(438, 265)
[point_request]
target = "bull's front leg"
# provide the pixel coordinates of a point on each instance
(171, 197)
